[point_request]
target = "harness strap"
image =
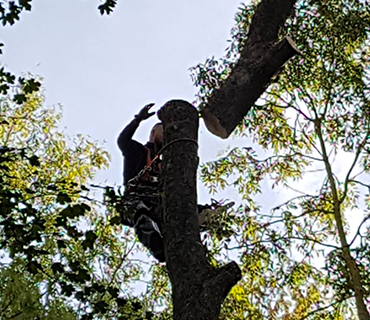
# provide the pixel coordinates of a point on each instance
(134, 180)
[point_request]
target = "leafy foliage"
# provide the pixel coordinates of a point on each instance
(67, 258)
(314, 114)
(10, 11)
(107, 6)
(20, 298)
(54, 237)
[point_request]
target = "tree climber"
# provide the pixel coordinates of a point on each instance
(141, 179)
(141, 200)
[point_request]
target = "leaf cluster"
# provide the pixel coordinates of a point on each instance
(51, 231)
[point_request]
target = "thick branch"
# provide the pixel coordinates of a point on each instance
(197, 288)
(270, 16)
(261, 58)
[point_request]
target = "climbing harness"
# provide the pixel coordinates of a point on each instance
(138, 193)
(133, 182)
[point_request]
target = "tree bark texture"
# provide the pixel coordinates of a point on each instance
(262, 57)
(198, 289)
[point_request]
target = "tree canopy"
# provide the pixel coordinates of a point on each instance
(307, 257)
(309, 124)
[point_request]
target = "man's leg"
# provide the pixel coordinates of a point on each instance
(148, 233)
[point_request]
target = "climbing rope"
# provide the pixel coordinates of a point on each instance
(134, 180)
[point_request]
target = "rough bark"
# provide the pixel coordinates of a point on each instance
(198, 289)
(261, 58)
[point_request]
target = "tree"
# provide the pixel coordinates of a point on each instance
(198, 288)
(326, 95)
(315, 113)
(53, 236)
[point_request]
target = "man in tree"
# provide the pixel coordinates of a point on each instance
(142, 201)
(141, 179)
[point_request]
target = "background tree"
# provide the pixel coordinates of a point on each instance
(61, 253)
(307, 123)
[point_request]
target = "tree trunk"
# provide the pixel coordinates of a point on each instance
(198, 289)
(261, 58)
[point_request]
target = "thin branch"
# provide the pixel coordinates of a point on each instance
(314, 171)
(123, 258)
(312, 102)
(311, 142)
(267, 224)
(284, 238)
(290, 105)
(16, 315)
(358, 152)
(327, 71)
(316, 241)
(6, 307)
(294, 189)
(324, 308)
(358, 174)
(308, 157)
(358, 230)
(360, 183)
(297, 198)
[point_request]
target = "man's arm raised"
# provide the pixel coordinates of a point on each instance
(125, 137)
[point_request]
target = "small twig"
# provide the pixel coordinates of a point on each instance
(358, 152)
(324, 308)
(358, 230)
(360, 183)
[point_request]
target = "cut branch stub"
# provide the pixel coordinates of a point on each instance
(261, 59)
(198, 289)
(180, 162)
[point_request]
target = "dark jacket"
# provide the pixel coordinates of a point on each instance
(135, 154)
(135, 159)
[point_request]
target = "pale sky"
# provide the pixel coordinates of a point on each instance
(103, 69)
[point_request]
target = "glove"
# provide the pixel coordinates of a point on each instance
(144, 112)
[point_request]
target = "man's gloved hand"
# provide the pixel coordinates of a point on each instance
(144, 112)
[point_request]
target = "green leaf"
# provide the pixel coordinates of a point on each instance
(101, 307)
(107, 7)
(34, 161)
(20, 98)
(63, 198)
(67, 289)
(121, 302)
(57, 267)
(33, 267)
